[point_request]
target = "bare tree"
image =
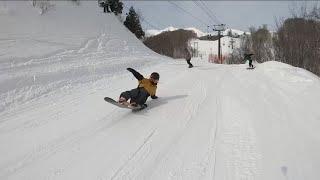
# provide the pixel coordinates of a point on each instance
(298, 39)
(43, 5)
(170, 43)
(261, 44)
(236, 57)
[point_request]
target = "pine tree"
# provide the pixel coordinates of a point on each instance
(230, 33)
(132, 22)
(116, 6)
(105, 5)
(43, 5)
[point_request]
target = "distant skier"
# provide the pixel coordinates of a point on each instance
(248, 57)
(106, 5)
(188, 57)
(139, 95)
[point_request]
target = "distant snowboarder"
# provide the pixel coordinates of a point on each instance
(188, 57)
(106, 5)
(248, 57)
(139, 95)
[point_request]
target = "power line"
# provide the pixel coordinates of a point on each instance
(204, 10)
(210, 11)
(204, 23)
(144, 19)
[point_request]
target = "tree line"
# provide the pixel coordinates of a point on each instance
(171, 43)
(296, 41)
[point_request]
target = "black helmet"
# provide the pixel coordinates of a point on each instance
(155, 76)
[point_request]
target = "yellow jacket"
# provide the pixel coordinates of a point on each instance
(148, 86)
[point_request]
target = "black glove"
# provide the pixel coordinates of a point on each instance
(130, 69)
(154, 97)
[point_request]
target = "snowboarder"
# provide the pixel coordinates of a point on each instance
(139, 95)
(188, 57)
(248, 57)
(106, 5)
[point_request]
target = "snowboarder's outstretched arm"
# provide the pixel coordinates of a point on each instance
(136, 74)
(247, 56)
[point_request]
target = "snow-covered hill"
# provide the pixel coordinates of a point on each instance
(42, 53)
(210, 122)
(153, 32)
(26, 34)
(235, 32)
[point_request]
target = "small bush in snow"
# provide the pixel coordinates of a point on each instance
(42, 5)
(132, 22)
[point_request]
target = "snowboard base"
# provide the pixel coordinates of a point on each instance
(114, 102)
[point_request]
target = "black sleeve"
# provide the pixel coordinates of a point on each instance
(136, 74)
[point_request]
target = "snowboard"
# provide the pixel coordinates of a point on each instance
(134, 109)
(251, 67)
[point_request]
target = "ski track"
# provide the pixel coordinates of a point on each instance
(185, 116)
(155, 163)
(205, 132)
(143, 153)
(183, 142)
(235, 152)
(25, 93)
(65, 70)
(66, 141)
(217, 122)
(241, 164)
(241, 137)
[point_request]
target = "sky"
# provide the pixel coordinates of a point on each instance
(235, 14)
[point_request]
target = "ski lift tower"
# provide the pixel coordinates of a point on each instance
(219, 28)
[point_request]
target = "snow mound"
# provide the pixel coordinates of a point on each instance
(69, 44)
(27, 34)
(286, 72)
(154, 32)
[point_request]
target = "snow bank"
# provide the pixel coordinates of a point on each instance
(153, 32)
(286, 72)
(67, 45)
(24, 33)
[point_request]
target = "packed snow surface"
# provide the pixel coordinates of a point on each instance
(212, 121)
(234, 32)
(154, 32)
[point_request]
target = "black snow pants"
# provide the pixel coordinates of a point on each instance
(189, 62)
(250, 64)
(137, 95)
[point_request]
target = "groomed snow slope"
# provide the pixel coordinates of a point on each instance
(210, 122)
(24, 33)
(92, 45)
